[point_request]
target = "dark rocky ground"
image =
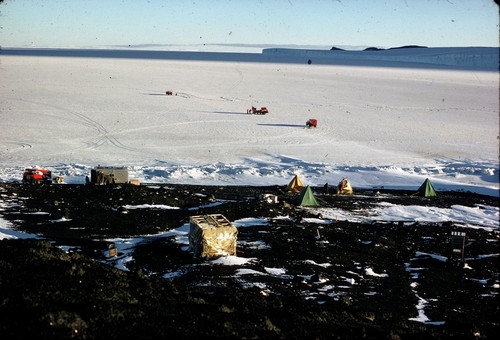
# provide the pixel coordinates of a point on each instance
(46, 292)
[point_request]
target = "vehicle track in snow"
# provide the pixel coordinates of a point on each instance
(12, 147)
(102, 137)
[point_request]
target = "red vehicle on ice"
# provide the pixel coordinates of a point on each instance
(263, 110)
(312, 123)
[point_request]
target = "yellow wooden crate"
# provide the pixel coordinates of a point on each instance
(212, 236)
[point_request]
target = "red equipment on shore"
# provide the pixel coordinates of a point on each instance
(37, 176)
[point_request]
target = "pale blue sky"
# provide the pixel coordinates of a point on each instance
(389, 23)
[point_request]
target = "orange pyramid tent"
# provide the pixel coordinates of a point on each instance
(295, 185)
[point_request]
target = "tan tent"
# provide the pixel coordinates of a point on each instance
(295, 185)
(344, 187)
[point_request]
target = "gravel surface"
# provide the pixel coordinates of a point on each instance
(305, 277)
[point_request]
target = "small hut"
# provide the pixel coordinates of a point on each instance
(109, 175)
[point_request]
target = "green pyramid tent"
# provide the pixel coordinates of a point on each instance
(427, 189)
(307, 198)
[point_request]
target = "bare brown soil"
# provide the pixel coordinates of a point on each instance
(49, 293)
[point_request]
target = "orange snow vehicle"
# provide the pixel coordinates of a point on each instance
(37, 176)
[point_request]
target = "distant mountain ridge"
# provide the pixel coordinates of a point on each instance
(486, 58)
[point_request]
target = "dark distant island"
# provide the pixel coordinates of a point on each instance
(380, 49)
(407, 46)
